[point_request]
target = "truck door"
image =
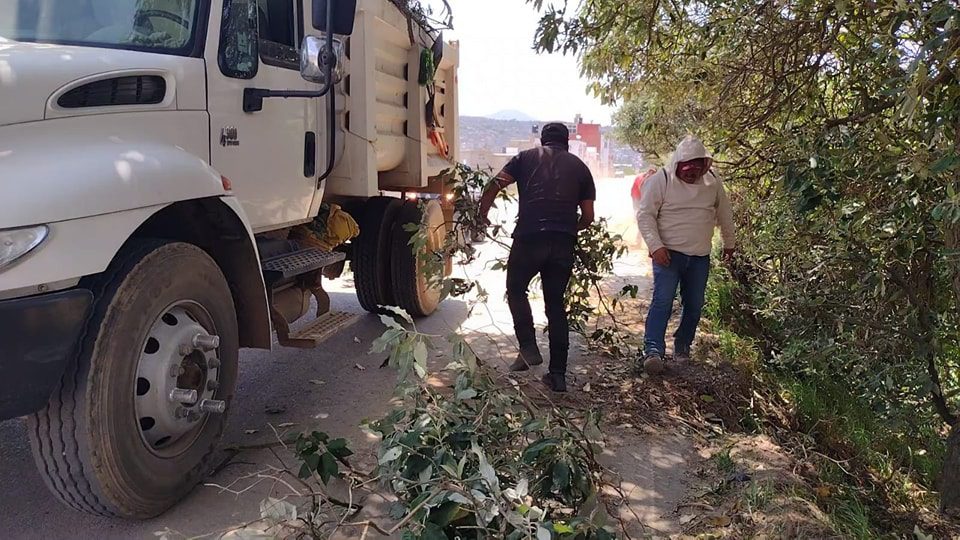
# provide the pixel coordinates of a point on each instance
(270, 156)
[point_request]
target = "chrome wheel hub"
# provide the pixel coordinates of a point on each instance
(178, 376)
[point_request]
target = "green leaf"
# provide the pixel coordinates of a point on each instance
(468, 393)
(310, 462)
(445, 513)
(381, 343)
(338, 447)
(390, 322)
(487, 472)
(328, 467)
(537, 424)
(420, 353)
(945, 163)
(533, 451)
(562, 528)
(399, 312)
(391, 455)
(420, 370)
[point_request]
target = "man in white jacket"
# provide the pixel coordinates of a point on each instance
(679, 208)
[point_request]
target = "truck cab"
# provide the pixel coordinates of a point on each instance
(176, 177)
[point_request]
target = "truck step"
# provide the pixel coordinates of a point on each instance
(300, 262)
(320, 329)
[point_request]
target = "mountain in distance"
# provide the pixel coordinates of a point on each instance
(512, 115)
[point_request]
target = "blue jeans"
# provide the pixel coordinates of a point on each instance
(690, 274)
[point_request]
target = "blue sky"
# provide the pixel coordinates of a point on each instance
(499, 69)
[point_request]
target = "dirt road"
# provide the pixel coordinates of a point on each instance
(333, 389)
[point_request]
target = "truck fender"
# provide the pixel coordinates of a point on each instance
(220, 227)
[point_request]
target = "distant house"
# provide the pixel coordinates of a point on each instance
(595, 152)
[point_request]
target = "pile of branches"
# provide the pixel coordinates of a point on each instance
(481, 459)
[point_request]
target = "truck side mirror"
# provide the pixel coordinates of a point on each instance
(315, 59)
(342, 19)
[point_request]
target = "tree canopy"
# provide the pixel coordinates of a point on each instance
(837, 126)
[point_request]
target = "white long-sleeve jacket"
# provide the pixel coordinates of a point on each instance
(681, 216)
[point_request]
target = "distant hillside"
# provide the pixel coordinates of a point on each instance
(512, 115)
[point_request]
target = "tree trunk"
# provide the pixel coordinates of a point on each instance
(950, 477)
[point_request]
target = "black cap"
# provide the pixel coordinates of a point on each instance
(555, 132)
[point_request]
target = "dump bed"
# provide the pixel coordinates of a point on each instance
(384, 109)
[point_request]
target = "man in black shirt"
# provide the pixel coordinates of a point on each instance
(553, 184)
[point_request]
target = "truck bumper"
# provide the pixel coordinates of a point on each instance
(38, 336)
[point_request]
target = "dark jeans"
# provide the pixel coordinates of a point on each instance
(690, 274)
(551, 255)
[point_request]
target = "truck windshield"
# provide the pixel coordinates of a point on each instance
(166, 26)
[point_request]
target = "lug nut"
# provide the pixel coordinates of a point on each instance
(184, 397)
(185, 349)
(180, 413)
(206, 342)
(212, 385)
(213, 363)
(214, 406)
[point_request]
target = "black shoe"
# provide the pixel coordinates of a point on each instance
(653, 364)
(526, 358)
(555, 381)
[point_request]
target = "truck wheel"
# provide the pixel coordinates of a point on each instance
(371, 262)
(136, 417)
(410, 285)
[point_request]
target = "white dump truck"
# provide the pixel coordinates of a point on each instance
(163, 164)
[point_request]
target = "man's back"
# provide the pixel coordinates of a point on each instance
(552, 182)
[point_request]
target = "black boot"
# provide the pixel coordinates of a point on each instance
(555, 381)
(527, 357)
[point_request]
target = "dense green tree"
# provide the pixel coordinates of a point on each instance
(837, 124)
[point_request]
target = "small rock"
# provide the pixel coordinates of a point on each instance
(739, 477)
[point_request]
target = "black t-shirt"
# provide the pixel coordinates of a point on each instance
(551, 182)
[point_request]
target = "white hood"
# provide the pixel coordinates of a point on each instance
(689, 148)
(30, 73)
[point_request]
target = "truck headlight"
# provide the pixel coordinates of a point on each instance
(15, 243)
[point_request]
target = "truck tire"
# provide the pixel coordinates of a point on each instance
(112, 441)
(410, 286)
(371, 262)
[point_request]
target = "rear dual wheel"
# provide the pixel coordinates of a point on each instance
(386, 270)
(134, 422)
(371, 261)
(413, 290)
